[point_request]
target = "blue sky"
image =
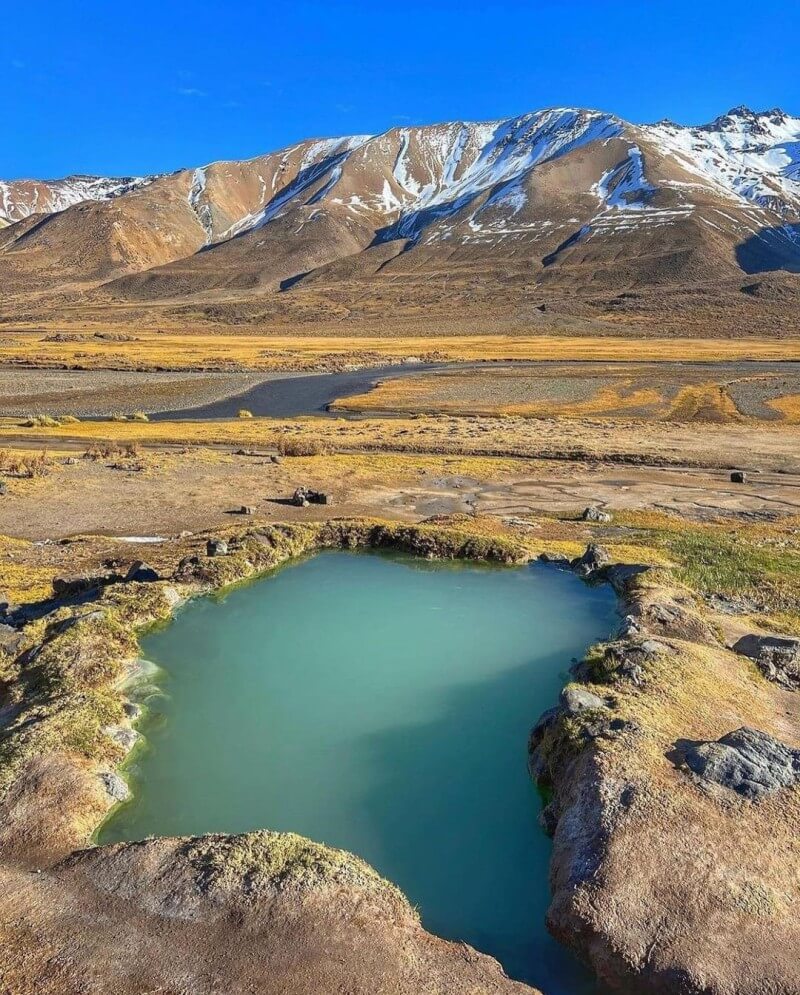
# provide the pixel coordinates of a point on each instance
(149, 87)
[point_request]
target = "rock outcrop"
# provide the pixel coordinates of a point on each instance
(595, 514)
(675, 843)
(777, 657)
(746, 761)
(264, 912)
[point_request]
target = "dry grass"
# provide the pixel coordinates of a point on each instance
(704, 445)
(152, 350)
(706, 402)
(24, 465)
(788, 406)
(471, 393)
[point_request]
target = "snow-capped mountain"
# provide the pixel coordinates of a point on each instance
(21, 198)
(561, 197)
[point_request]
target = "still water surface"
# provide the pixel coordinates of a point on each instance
(381, 704)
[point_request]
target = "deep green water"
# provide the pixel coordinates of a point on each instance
(380, 704)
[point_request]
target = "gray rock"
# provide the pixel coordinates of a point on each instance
(123, 736)
(652, 647)
(216, 547)
(746, 761)
(777, 657)
(595, 514)
(114, 785)
(304, 496)
(594, 559)
(575, 699)
(738, 477)
(628, 628)
(554, 558)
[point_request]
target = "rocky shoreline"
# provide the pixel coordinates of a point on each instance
(674, 820)
(666, 878)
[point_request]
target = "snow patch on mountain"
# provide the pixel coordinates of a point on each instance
(742, 156)
(20, 199)
(506, 152)
(624, 187)
(199, 204)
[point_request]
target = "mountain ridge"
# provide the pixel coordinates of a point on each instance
(563, 199)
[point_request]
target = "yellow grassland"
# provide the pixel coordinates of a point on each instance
(152, 350)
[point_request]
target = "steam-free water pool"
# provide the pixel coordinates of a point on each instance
(381, 704)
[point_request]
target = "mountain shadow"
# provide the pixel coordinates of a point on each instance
(775, 248)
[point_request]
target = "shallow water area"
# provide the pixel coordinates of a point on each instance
(381, 704)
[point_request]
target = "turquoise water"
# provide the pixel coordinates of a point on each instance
(380, 704)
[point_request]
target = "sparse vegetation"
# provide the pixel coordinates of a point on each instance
(113, 450)
(26, 465)
(41, 421)
(288, 445)
(244, 413)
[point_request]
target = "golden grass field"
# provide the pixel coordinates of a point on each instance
(148, 350)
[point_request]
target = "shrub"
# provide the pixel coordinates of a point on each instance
(244, 413)
(118, 416)
(139, 416)
(113, 450)
(34, 466)
(68, 419)
(41, 421)
(288, 446)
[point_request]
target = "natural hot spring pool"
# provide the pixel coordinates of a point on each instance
(381, 704)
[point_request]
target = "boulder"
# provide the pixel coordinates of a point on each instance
(114, 785)
(247, 509)
(216, 547)
(3, 488)
(304, 496)
(576, 699)
(777, 657)
(595, 514)
(553, 557)
(738, 477)
(188, 568)
(746, 761)
(140, 572)
(594, 559)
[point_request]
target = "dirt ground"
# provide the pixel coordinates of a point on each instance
(197, 488)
